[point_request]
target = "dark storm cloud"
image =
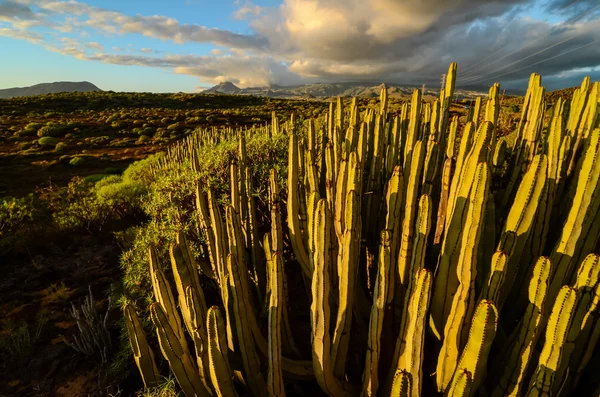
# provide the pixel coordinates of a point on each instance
(408, 41)
(9, 9)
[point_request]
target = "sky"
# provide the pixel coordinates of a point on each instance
(189, 45)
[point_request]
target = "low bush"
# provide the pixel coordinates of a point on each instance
(60, 146)
(48, 141)
(15, 214)
(77, 161)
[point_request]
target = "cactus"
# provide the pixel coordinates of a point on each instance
(507, 282)
(463, 384)
(298, 242)
(176, 352)
(402, 386)
(556, 335)
(380, 300)
(243, 331)
(219, 368)
(474, 356)
(275, 375)
(515, 359)
(409, 347)
(347, 272)
(320, 309)
(463, 301)
(142, 353)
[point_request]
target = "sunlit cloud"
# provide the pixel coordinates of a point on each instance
(330, 40)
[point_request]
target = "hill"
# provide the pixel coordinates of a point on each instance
(49, 88)
(323, 90)
(224, 88)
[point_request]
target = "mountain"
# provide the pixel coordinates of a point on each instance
(49, 88)
(226, 87)
(323, 90)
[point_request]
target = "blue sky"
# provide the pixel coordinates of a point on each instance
(185, 45)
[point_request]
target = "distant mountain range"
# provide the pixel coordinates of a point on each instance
(305, 91)
(370, 90)
(49, 88)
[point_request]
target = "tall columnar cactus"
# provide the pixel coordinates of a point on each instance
(417, 241)
(409, 347)
(474, 355)
(556, 336)
(275, 385)
(220, 371)
(177, 354)
(514, 361)
(320, 309)
(380, 301)
(580, 232)
(142, 352)
(446, 282)
(462, 304)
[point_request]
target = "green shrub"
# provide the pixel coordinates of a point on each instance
(25, 145)
(174, 127)
(77, 161)
(30, 129)
(15, 213)
(48, 141)
(52, 129)
(75, 207)
(123, 195)
(113, 171)
(94, 178)
(60, 146)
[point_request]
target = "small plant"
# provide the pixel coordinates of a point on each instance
(48, 141)
(17, 341)
(94, 336)
(77, 161)
(60, 146)
(56, 293)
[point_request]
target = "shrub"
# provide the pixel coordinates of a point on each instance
(113, 171)
(77, 161)
(174, 127)
(52, 129)
(15, 213)
(30, 129)
(123, 195)
(94, 178)
(48, 141)
(60, 146)
(75, 207)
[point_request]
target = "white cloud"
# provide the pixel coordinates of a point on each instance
(95, 46)
(247, 10)
(329, 40)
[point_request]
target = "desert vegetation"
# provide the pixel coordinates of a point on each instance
(350, 247)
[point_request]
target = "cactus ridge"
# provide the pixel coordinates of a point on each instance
(413, 240)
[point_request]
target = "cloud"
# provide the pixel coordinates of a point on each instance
(247, 10)
(239, 69)
(95, 46)
(32, 37)
(154, 26)
(408, 41)
(10, 10)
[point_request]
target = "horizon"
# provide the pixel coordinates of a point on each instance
(192, 45)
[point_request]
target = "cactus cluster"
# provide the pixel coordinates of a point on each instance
(436, 259)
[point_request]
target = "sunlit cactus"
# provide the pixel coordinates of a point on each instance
(429, 254)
